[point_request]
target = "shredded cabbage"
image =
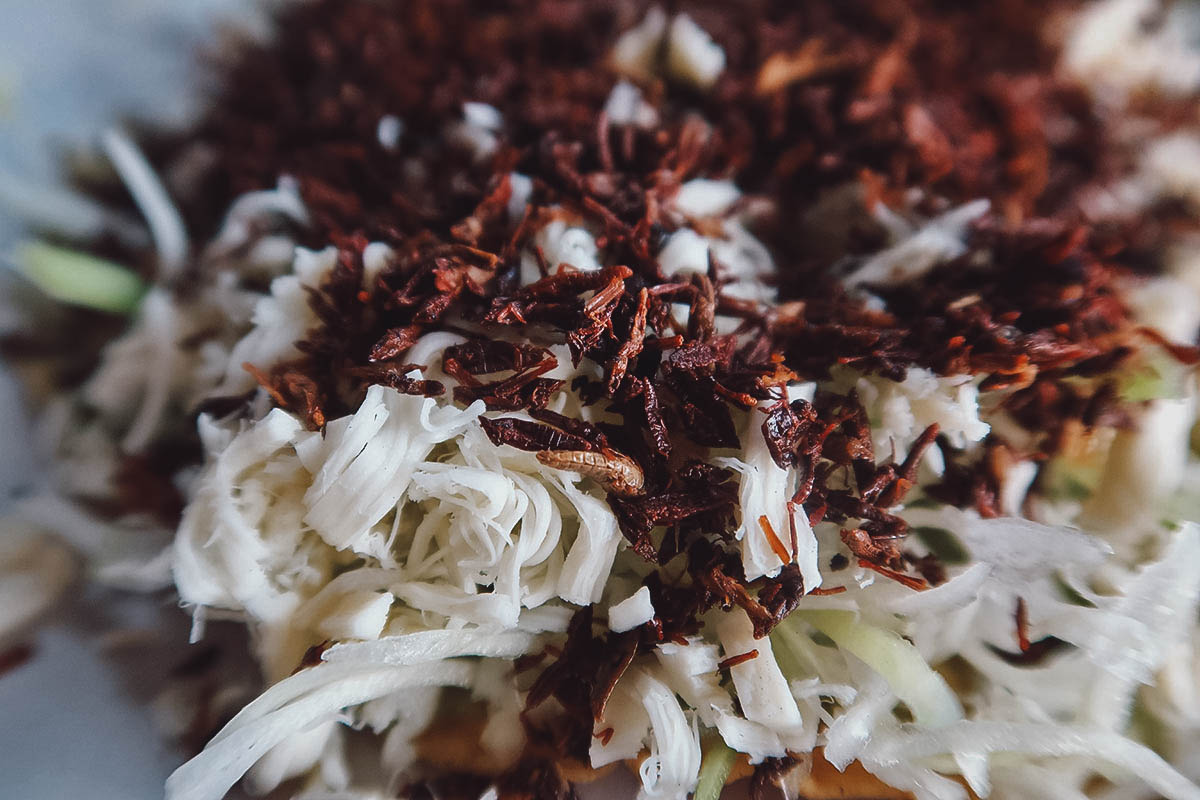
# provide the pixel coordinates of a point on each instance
(1106, 750)
(924, 691)
(716, 762)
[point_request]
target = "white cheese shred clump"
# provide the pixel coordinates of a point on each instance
(631, 612)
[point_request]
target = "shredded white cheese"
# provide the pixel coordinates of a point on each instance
(1122, 46)
(631, 612)
(941, 239)
(389, 131)
(479, 130)
(692, 55)
(701, 197)
(636, 51)
(166, 226)
(625, 106)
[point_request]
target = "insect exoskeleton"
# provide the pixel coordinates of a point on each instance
(616, 472)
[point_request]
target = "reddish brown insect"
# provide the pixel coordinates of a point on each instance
(631, 346)
(862, 545)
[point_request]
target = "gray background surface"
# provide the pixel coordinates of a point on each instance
(75, 723)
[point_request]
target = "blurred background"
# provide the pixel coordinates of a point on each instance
(78, 714)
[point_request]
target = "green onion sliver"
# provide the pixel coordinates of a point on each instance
(80, 279)
(716, 762)
(923, 690)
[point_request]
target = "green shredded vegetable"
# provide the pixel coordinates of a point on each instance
(1071, 479)
(923, 690)
(821, 640)
(80, 279)
(922, 501)
(1182, 505)
(1069, 594)
(792, 652)
(716, 761)
(1153, 375)
(943, 544)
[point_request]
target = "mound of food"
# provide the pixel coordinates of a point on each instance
(718, 389)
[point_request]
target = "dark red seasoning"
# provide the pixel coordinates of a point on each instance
(765, 782)
(862, 99)
(1029, 652)
(733, 661)
(777, 546)
(312, 656)
(1022, 619)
